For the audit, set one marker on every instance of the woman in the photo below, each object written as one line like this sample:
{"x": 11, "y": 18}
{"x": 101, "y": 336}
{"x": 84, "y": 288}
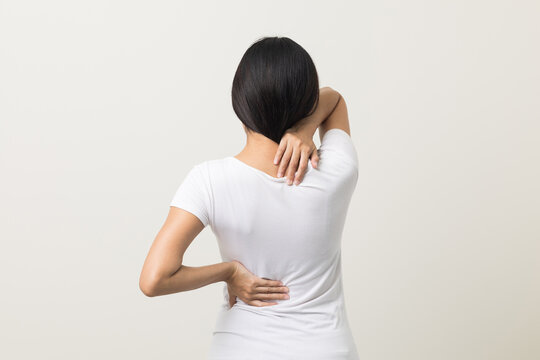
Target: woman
{"x": 280, "y": 244}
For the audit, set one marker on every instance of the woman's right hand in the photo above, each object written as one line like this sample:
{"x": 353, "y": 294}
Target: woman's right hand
{"x": 252, "y": 289}
{"x": 296, "y": 148}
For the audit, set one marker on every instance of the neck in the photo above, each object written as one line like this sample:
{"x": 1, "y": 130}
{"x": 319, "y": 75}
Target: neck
{"x": 259, "y": 152}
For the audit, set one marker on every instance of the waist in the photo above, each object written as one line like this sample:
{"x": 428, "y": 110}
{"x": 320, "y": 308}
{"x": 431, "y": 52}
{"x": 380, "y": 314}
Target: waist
{"x": 295, "y": 320}
{"x": 241, "y": 332}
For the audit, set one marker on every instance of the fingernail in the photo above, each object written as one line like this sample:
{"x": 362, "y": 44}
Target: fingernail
{"x": 278, "y": 174}
{"x": 296, "y": 182}
{"x": 275, "y": 161}
{"x": 289, "y": 182}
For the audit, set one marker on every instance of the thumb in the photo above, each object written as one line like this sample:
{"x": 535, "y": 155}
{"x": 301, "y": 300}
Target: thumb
{"x": 232, "y": 300}
{"x": 315, "y": 158}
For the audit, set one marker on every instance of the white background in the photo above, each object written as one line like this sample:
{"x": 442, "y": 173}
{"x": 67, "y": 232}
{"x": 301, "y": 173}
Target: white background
{"x": 105, "y": 106}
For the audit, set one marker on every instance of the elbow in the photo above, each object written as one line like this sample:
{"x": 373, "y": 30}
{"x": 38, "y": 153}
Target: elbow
{"x": 148, "y": 286}
{"x": 147, "y": 290}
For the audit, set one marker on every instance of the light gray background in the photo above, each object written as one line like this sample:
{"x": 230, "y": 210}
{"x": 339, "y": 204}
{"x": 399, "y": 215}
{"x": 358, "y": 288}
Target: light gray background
{"x": 105, "y": 106}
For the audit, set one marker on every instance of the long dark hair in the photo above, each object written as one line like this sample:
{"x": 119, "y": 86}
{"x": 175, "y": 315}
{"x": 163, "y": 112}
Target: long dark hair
{"x": 275, "y": 85}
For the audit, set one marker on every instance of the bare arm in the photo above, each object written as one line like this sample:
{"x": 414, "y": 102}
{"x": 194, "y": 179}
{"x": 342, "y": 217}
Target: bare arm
{"x": 191, "y": 277}
{"x": 296, "y": 147}
{"x": 328, "y": 100}
{"x": 163, "y": 272}
{"x": 337, "y": 119}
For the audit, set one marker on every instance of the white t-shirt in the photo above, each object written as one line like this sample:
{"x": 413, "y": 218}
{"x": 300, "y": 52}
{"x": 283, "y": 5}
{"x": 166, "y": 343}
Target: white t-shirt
{"x": 281, "y": 232}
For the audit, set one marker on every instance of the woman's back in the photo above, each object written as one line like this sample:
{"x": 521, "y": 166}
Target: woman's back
{"x": 286, "y": 233}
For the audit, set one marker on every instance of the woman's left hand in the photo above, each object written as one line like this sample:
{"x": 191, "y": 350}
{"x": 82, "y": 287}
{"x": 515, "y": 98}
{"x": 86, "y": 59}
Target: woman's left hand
{"x": 295, "y": 150}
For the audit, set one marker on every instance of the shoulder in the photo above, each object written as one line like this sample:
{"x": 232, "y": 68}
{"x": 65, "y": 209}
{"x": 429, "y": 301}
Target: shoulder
{"x": 211, "y": 171}
{"x": 338, "y": 144}
{"x": 211, "y": 165}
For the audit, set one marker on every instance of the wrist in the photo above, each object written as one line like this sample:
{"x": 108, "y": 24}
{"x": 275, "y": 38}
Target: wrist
{"x": 328, "y": 99}
{"x": 231, "y": 269}
{"x": 307, "y": 126}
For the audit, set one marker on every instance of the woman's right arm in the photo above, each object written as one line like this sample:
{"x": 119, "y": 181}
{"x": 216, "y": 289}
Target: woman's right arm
{"x": 337, "y": 119}
{"x": 328, "y": 100}
{"x": 296, "y": 147}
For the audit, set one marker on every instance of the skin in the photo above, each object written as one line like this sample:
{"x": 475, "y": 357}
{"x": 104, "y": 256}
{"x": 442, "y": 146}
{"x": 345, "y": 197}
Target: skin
{"x": 283, "y": 159}
{"x": 163, "y": 270}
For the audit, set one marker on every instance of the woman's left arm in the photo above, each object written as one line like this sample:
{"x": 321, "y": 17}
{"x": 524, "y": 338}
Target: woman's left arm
{"x": 163, "y": 272}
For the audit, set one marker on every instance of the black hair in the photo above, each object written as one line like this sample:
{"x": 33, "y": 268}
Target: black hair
{"x": 275, "y": 85}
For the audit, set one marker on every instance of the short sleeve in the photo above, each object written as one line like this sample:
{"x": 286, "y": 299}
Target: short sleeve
{"x": 338, "y": 142}
{"x": 193, "y": 195}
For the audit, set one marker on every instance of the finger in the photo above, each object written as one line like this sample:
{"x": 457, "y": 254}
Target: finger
{"x": 299, "y": 176}
{"x": 293, "y": 164}
{"x": 315, "y": 158}
{"x": 284, "y": 161}
{"x": 260, "y": 303}
{"x": 272, "y": 289}
{"x": 270, "y": 296}
{"x": 232, "y": 301}
{"x": 268, "y": 282}
{"x": 280, "y": 150}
